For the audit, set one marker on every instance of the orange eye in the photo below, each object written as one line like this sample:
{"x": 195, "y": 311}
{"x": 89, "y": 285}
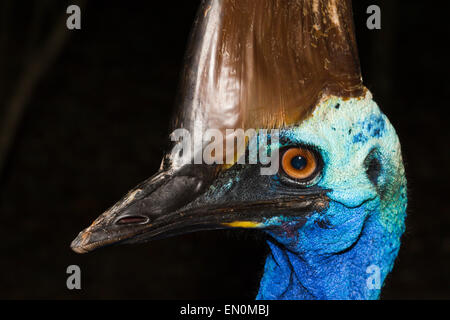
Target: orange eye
{"x": 299, "y": 163}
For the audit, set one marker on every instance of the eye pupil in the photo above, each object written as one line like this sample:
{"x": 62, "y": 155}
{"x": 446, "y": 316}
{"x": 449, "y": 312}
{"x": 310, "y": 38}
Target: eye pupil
{"x": 299, "y": 163}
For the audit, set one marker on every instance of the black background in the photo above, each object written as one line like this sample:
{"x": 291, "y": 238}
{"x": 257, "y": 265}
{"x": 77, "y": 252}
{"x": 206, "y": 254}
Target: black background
{"x": 97, "y": 125}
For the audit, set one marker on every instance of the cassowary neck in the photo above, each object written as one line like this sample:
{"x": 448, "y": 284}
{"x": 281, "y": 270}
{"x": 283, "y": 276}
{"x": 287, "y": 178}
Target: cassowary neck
{"x": 358, "y": 272}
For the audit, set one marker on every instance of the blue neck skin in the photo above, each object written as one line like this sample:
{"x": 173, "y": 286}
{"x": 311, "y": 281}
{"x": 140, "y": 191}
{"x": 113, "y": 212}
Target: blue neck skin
{"x": 353, "y": 267}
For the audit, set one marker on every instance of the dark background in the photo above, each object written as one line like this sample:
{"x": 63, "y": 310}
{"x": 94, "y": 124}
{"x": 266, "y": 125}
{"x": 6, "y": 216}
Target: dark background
{"x": 96, "y": 123}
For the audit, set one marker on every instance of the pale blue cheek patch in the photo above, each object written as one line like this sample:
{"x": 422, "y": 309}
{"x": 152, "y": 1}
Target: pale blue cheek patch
{"x": 345, "y": 135}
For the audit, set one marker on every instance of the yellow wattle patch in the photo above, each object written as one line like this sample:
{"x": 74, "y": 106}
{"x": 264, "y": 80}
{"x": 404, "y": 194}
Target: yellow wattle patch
{"x": 243, "y": 224}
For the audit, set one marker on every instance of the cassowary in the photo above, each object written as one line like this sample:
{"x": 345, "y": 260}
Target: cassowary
{"x": 334, "y": 210}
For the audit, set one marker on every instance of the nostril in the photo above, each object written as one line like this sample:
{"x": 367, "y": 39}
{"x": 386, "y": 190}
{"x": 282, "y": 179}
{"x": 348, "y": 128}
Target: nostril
{"x": 132, "y": 220}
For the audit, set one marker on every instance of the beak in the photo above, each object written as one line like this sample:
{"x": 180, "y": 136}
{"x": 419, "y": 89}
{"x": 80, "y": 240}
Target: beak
{"x": 190, "y": 200}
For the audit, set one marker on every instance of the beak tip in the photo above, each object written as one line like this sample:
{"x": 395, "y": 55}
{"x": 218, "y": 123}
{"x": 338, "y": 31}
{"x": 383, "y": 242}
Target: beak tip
{"x": 79, "y": 250}
{"x": 79, "y": 245}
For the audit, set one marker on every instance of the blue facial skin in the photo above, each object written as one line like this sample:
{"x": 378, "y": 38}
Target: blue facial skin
{"x": 347, "y": 251}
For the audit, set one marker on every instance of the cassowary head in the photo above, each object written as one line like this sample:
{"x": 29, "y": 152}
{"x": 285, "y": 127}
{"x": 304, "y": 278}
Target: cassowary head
{"x": 334, "y": 206}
